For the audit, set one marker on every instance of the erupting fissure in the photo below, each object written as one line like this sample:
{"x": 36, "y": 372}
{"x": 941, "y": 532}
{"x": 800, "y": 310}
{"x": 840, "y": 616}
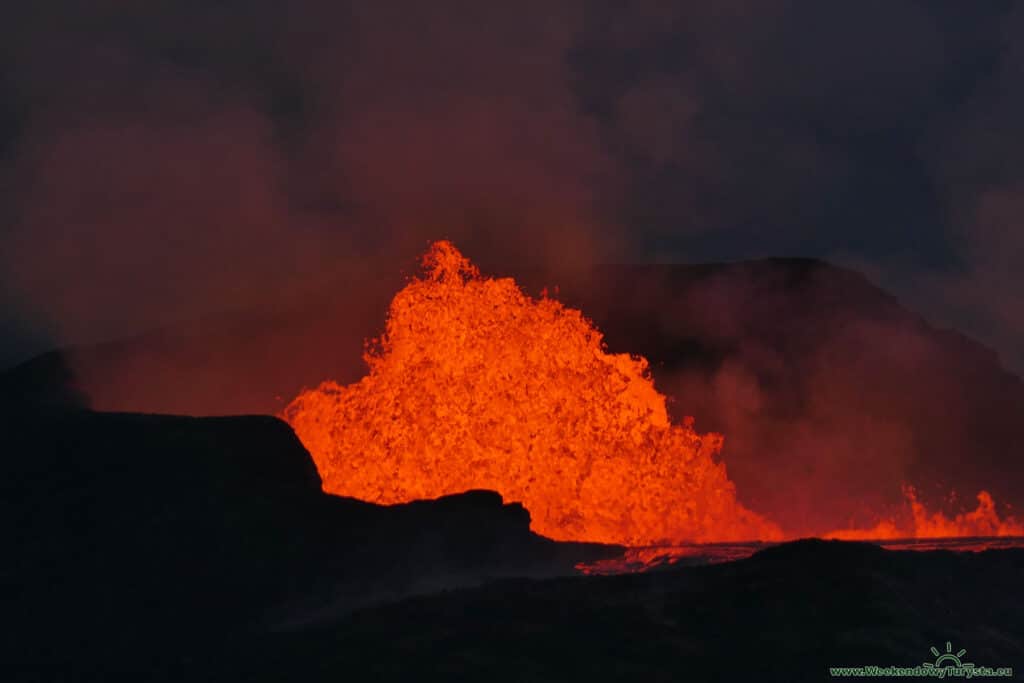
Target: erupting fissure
{"x": 475, "y": 384}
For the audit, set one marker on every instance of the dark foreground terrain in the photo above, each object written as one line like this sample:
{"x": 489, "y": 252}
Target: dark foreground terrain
{"x": 163, "y": 548}
{"x": 788, "y": 613}
{"x": 134, "y": 544}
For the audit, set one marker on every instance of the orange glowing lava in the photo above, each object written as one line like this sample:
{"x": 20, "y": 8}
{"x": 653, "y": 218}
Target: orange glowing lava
{"x": 983, "y": 521}
{"x": 475, "y": 384}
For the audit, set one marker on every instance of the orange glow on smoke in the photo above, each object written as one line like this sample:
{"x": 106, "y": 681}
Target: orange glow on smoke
{"x": 475, "y": 384}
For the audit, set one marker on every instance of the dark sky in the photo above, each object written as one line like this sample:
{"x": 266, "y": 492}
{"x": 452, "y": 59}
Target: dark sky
{"x": 163, "y": 159}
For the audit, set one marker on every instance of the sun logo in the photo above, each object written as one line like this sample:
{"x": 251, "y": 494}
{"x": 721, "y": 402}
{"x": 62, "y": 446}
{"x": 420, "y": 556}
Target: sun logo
{"x": 948, "y": 659}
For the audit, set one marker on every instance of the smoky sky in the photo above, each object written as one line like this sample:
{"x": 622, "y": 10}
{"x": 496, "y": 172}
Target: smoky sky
{"x": 163, "y": 160}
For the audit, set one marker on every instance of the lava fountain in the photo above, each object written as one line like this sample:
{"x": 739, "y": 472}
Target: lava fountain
{"x": 474, "y": 384}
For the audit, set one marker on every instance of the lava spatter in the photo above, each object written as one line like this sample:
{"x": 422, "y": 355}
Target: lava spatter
{"x": 475, "y": 384}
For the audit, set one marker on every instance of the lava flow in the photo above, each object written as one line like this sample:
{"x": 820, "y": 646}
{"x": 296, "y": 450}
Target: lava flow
{"x": 475, "y": 384}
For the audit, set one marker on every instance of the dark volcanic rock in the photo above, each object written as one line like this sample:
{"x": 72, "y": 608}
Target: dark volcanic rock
{"x": 159, "y": 548}
{"x": 788, "y": 613}
{"x": 133, "y": 542}
{"x": 47, "y": 382}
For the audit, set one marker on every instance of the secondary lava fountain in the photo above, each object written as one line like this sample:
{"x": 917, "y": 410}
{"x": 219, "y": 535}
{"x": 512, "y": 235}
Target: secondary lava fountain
{"x": 475, "y": 384}
{"x": 982, "y": 522}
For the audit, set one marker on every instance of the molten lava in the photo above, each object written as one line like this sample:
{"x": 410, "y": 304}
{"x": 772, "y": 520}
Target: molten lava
{"x": 982, "y": 522}
{"x": 475, "y": 384}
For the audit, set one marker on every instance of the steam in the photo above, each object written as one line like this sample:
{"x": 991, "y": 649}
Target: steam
{"x": 198, "y": 160}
